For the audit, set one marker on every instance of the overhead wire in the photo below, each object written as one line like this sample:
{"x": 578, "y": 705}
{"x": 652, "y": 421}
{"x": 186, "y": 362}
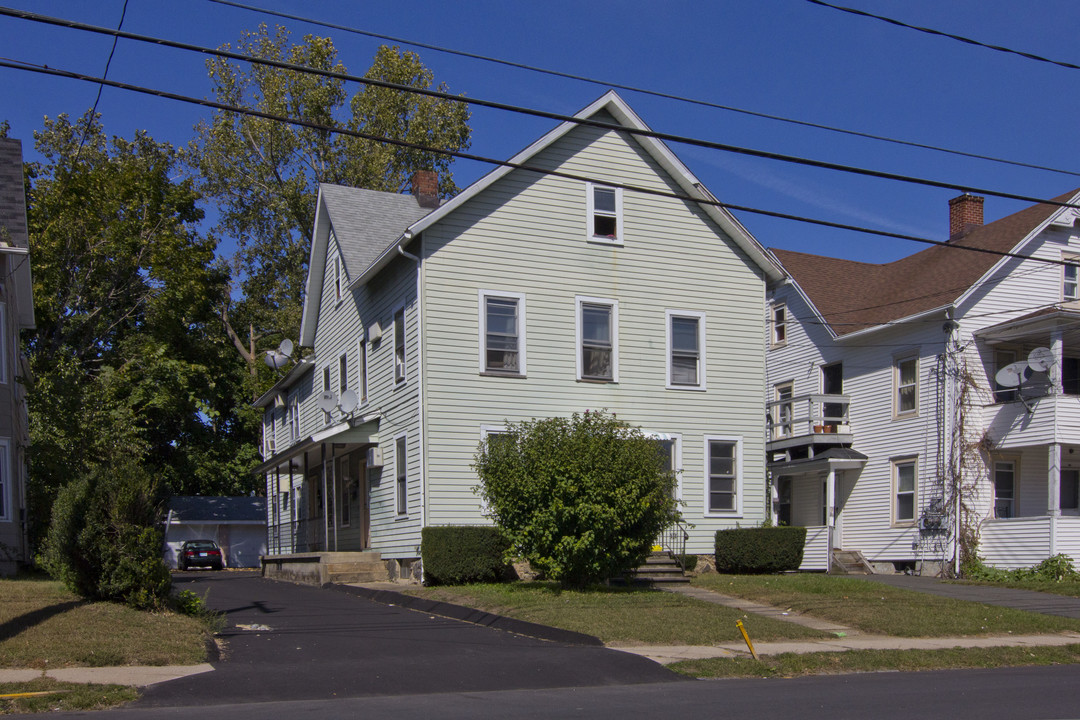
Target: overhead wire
{"x": 940, "y": 33}
{"x": 643, "y": 91}
{"x": 560, "y": 117}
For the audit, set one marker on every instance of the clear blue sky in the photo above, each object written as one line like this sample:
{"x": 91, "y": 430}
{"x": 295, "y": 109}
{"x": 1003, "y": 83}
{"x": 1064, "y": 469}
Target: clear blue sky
{"x": 784, "y": 57}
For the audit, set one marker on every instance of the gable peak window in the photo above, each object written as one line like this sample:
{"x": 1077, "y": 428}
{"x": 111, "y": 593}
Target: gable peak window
{"x": 605, "y": 213}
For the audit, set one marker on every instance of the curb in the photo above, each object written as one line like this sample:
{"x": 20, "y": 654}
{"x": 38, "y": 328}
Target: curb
{"x": 471, "y": 615}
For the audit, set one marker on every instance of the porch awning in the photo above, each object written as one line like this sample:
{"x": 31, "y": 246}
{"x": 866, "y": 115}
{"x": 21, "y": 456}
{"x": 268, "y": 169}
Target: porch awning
{"x": 357, "y": 431}
{"x": 831, "y": 459}
{"x": 1042, "y": 321}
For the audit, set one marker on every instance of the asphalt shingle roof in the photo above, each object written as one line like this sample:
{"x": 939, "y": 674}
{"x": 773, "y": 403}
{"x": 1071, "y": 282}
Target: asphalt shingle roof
{"x": 366, "y": 222}
{"x": 853, "y": 296}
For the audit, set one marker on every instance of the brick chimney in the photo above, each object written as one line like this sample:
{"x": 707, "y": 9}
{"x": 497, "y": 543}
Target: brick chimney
{"x": 425, "y": 186}
{"x": 965, "y": 214}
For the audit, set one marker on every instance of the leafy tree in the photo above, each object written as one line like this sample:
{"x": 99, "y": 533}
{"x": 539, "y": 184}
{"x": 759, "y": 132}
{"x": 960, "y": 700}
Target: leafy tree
{"x": 581, "y": 498}
{"x": 125, "y": 293}
{"x": 264, "y": 175}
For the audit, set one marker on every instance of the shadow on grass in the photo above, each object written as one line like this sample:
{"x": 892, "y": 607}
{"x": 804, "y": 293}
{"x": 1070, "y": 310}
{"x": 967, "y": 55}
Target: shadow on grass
{"x": 16, "y": 625}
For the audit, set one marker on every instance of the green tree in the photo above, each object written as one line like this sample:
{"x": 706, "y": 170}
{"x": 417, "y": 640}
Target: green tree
{"x": 264, "y": 175}
{"x": 125, "y": 291}
{"x": 581, "y": 498}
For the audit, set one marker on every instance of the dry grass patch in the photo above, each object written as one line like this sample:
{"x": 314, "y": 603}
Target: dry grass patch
{"x": 822, "y": 663}
{"x": 617, "y": 615}
{"x": 883, "y": 610}
{"x": 43, "y": 625}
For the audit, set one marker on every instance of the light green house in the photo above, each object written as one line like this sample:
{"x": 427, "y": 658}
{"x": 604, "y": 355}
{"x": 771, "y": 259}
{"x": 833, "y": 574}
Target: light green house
{"x": 593, "y": 280}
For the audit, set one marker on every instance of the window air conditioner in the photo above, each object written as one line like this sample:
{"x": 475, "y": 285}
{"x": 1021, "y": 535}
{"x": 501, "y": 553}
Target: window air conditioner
{"x": 374, "y": 457}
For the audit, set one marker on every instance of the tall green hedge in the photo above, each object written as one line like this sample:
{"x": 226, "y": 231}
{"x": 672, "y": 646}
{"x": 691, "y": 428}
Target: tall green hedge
{"x": 759, "y": 550}
{"x": 453, "y": 555}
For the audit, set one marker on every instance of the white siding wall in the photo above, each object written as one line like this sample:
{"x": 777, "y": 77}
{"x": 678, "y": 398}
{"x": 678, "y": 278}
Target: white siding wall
{"x": 527, "y": 235}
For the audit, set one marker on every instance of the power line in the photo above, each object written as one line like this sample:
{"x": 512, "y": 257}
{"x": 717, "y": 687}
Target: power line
{"x": 951, "y": 36}
{"x": 645, "y": 91}
{"x": 666, "y": 137}
{"x": 97, "y": 98}
{"x": 213, "y": 104}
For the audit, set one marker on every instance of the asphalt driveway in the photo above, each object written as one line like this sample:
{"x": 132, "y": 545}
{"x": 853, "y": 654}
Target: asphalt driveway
{"x": 294, "y": 642}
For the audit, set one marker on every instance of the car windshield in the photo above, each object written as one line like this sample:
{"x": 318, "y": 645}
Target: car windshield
{"x": 200, "y": 545}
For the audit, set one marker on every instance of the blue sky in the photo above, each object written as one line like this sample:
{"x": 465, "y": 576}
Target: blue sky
{"x": 783, "y": 57}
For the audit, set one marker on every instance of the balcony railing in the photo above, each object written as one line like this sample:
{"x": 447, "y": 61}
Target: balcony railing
{"x": 808, "y": 415}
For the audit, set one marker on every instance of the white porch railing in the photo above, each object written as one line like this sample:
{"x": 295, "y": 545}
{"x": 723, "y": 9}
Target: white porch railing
{"x": 816, "y": 551}
{"x": 808, "y": 414}
{"x": 1022, "y": 542}
{"x": 1051, "y": 418}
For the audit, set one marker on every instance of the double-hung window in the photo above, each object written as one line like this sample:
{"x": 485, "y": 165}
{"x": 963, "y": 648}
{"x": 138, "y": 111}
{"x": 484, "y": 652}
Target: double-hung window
{"x": 1070, "y": 286}
{"x": 326, "y": 389}
{"x": 294, "y": 417}
{"x": 779, "y": 324}
{"x": 337, "y": 279}
{"x": 502, "y": 333}
{"x": 1004, "y": 488}
{"x": 723, "y": 471}
{"x": 605, "y": 214}
{"x": 905, "y": 490}
{"x": 343, "y": 374}
{"x": 906, "y": 383}
{"x": 362, "y": 358}
{"x": 598, "y": 339}
{"x": 399, "y": 346}
{"x": 686, "y": 350}
{"x": 401, "y": 484}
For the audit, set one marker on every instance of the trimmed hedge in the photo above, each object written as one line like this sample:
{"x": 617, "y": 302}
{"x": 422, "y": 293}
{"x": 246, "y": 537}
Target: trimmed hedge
{"x": 759, "y": 550}
{"x": 454, "y": 555}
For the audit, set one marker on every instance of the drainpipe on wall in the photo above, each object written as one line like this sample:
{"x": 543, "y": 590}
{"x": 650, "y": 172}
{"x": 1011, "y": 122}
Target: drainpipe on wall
{"x": 421, "y": 373}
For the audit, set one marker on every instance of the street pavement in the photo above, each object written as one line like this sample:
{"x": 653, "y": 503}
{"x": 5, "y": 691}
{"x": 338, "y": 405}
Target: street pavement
{"x": 295, "y": 642}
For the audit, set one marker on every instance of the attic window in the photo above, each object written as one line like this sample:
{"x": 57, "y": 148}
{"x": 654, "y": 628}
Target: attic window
{"x": 605, "y": 214}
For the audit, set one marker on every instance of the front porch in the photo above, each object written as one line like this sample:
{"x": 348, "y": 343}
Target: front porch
{"x": 1023, "y": 542}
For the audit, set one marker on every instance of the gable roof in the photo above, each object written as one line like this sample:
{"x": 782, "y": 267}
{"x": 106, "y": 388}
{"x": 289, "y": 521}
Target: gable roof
{"x": 611, "y": 103}
{"x": 853, "y": 296}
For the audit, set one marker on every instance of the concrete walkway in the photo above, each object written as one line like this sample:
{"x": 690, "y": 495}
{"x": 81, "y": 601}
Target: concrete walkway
{"x": 133, "y": 675}
{"x": 761, "y": 609}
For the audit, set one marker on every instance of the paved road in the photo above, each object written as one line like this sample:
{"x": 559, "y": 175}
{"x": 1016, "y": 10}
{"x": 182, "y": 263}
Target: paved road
{"x": 324, "y": 644}
{"x": 1000, "y": 694}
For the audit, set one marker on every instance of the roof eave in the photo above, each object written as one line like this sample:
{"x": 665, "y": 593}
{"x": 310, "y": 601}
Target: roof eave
{"x": 320, "y": 238}
{"x": 942, "y": 309}
{"x": 301, "y": 367}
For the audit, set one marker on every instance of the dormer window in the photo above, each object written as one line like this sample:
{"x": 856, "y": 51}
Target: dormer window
{"x": 605, "y": 214}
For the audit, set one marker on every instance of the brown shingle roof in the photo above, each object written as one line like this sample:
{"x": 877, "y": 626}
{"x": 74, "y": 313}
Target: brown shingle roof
{"x": 854, "y": 296}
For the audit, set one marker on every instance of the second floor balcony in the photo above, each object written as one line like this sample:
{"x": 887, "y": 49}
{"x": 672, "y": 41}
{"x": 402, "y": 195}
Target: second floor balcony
{"x": 808, "y": 420}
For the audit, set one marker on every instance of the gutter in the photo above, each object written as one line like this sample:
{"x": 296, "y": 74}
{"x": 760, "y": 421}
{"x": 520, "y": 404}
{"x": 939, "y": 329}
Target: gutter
{"x": 420, "y": 375}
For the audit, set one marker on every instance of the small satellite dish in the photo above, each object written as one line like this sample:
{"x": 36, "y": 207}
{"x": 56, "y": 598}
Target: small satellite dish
{"x": 1013, "y": 374}
{"x": 1040, "y": 359}
{"x": 286, "y": 347}
{"x": 348, "y": 401}
{"x": 327, "y": 400}
{"x": 275, "y": 359}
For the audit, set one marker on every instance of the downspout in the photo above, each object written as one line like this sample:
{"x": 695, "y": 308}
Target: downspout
{"x": 421, "y": 370}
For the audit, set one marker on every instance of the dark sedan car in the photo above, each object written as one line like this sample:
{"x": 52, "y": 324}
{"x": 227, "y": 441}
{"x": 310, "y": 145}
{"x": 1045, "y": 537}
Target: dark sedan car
{"x": 200, "y": 553}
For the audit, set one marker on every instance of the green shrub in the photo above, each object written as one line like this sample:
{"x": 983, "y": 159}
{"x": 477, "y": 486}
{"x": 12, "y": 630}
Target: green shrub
{"x": 454, "y": 555}
{"x": 1052, "y": 569}
{"x": 581, "y": 498}
{"x": 760, "y": 549}
{"x": 105, "y": 539}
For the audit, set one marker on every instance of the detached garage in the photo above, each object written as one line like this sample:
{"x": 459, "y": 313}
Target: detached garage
{"x": 236, "y": 524}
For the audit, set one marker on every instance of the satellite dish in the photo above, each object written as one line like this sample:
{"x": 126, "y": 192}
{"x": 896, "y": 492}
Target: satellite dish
{"x": 327, "y": 400}
{"x": 348, "y": 401}
{"x": 1040, "y": 359}
{"x": 275, "y": 359}
{"x": 286, "y": 347}
{"x": 1013, "y": 374}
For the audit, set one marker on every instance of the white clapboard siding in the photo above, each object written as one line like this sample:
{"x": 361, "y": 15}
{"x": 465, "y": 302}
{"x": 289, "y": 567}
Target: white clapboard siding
{"x": 816, "y": 551}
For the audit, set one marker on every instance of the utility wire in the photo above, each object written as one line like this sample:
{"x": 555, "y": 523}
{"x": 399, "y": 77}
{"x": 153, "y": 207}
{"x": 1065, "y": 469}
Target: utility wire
{"x": 666, "y": 137}
{"x": 97, "y": 98}
{"x": 644, "y": 91}
{"x": 706, "y": 199}
{"x": 939, "y": 33}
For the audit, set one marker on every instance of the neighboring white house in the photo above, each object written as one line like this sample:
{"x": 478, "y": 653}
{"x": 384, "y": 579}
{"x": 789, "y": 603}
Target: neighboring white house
{"x": 893, "y": 422}
{"x": 16, "y": 314}
{"x": 527, "y": 295}
{"x": 236, "y": 524}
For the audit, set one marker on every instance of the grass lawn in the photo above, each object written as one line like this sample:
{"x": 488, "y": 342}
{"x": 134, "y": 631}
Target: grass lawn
{"x": 43, "y": 625}
{"x": 791, "y": 665}
{"x": 61, "y": 697}
{"x": 617, "y": 615}
{"x": 881, "y": 609}
{"x": 1062, "y": 587}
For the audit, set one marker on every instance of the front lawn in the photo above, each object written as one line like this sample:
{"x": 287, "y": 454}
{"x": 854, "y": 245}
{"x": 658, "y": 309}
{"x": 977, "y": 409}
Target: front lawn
{"x": 617, "y": 615}
{"x": 42, "y": 625}
{"x": 880, "y": 609}
{"x": 47, "y": 695}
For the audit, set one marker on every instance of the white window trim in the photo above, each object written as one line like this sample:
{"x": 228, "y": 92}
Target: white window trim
{"x": 1014, "y": 460}
{"x": 738, "y": 511}
{"x": 1074, "y": 262}
{"x": 580, "y": 300}
{"x": 399, "y": 381}
{"x": 773, "y": 325}
{"x": 399, "y": 463}
{"x": 362, "y": 371}
{"x": 343, "y": 377}
{"x": 895, "y": 463}
{"x": 338, "y": 295}
{"x": 784, "y": 427}
{"x": 6, "y": 480}
{"x": 897, "y": 359}
{"x": 482, "y": 296}
{"x": 294, "y": 417}
{"x": 4, "y": 343}
{"x": 601, "y": 240}
{"x": 701, "y": 385}
{"x": 677, "y": 461}
{"x": 327, "y": 386}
